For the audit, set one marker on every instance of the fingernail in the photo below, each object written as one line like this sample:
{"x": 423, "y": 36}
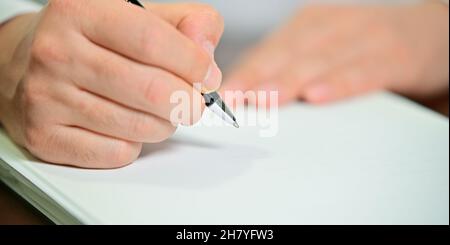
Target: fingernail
{"x": 319, "y": 93}
{"x": 210, "y": 48}
{"x": 213, "y": 79}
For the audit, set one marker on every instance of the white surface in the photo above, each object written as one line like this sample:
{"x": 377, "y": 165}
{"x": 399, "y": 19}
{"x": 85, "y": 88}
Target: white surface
{"x": 373, "y": 160}
{"x": 10, "y": 8}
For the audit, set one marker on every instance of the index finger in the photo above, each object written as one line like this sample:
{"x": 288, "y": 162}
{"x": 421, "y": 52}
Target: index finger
{"x": 142, "y": 36}
{"x": 200, "y": 22}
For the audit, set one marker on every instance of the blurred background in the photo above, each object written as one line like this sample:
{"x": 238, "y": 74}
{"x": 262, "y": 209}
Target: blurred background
{"x": 248, "y": 21}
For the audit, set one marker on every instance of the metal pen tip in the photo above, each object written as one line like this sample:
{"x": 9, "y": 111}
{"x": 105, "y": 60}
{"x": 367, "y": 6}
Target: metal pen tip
{"x": 236, "y": 125}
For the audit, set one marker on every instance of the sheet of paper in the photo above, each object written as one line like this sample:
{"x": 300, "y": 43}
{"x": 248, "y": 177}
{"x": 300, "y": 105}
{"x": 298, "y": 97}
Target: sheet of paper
{"x": 373, "y": 160}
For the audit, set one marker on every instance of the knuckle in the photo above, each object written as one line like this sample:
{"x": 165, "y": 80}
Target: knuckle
{"x": 156, "y": 90}
{"x": 87, "y": 108}
{"x": 46, "y": 49}
{"x": 121, "y": 70}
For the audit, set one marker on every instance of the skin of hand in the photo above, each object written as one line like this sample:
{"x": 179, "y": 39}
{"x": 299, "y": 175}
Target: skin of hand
{"x": 85, "y": 83}
{"x": 330, "y": 52}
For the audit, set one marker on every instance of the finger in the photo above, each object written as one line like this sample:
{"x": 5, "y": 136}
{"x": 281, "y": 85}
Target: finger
{"x": 294, "y": 77}
{"x": 134, "y": 85}
{"x": 346, "y": 82}
{"x": 310, "y": 67}
{"x": 81, "y": 148}
{"x": 142, "y": 36}
{"x": 108, "y": 118}
{"x": 200, "y": 23}
{"x": 286, "y": 92}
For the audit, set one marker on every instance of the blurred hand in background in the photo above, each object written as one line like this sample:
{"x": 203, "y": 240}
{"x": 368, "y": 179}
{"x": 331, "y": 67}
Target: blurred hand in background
{"x": 329, "y": 52}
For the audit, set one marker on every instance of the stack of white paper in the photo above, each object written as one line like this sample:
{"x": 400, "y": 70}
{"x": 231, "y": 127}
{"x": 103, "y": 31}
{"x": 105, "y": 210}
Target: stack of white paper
{"x": 374, "y": 160}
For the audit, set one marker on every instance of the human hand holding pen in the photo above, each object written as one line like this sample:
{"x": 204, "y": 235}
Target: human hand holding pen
{"x": 87, "y": 82}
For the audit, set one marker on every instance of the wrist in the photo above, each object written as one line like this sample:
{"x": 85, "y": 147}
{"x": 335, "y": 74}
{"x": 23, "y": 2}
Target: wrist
{"x": 12, "y": 65}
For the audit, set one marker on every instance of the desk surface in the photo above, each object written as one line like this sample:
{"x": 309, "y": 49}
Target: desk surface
{"x": 16, "y": 211}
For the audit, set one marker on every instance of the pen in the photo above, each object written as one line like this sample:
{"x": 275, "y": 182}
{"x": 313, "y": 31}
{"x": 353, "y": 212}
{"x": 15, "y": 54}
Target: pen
{"x": 212, "y": 100}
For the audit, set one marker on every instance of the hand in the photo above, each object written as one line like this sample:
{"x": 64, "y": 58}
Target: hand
{"x": 327, "y": 53}
{"x": 88, "y": 82}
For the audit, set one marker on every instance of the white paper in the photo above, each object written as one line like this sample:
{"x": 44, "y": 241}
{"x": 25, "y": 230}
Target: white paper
{"x": 373, "y": 160}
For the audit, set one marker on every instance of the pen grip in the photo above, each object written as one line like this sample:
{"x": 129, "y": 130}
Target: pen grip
{"x": 211, "y": 98}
